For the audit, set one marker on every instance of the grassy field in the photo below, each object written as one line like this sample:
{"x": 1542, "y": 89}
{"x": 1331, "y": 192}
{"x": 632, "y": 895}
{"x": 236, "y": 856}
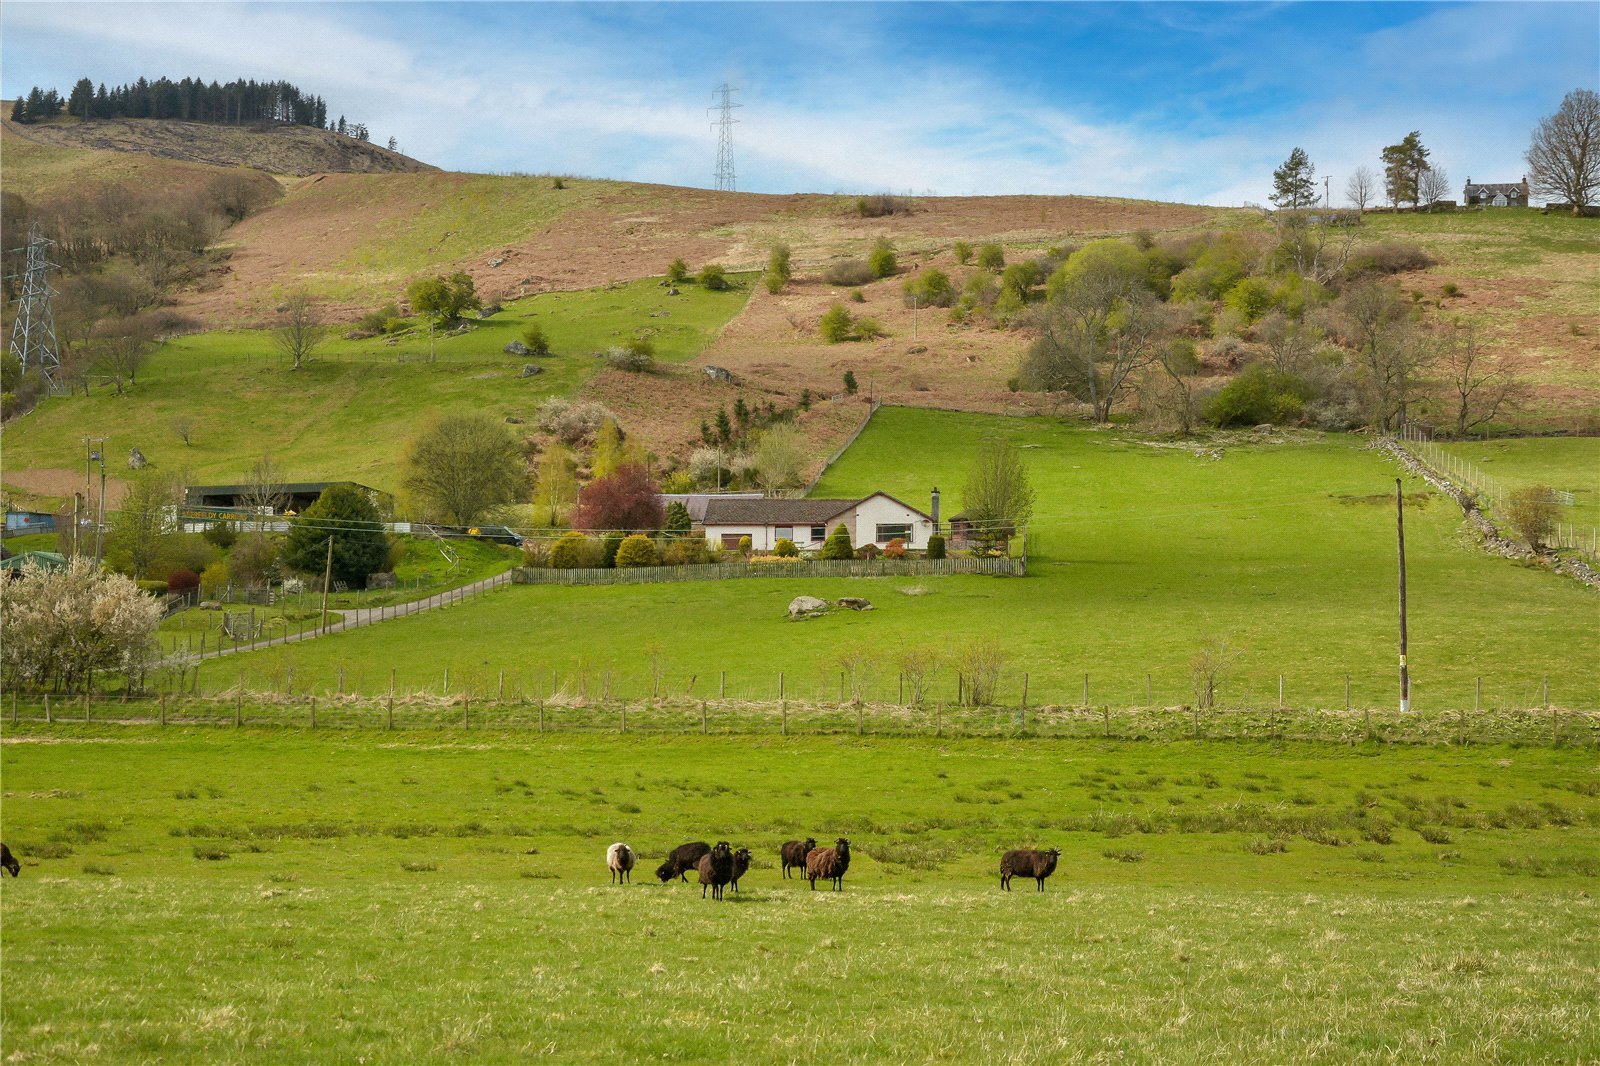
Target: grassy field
{"x": 1141, "y": 553}
{"x": 197, "y": 895}
{"x": 1568, "y": 463}
{"x": 349, "y": 412}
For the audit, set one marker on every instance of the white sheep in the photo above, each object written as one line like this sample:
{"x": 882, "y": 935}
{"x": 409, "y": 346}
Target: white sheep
{"x": 619, "y": 859}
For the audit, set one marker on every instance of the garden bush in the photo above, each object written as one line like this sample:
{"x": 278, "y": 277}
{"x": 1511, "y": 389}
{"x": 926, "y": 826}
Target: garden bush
{"x": 689, "y": 551}
{"x": 221, "y": 534}
{"x": 574, "y": 551}
{"x": 895, "y": 549}
{"x": 609, "y": 547}
{"x": 155, "y": 588}
{"x": 785, "y": 548}
{"x": 838, "y": 545}
{"x": 745, "y": 544}
{"x": 868, "y": 551}
{"x": 214, "y": 580}
{"x": 183, "y": 580}
{"x": 936, "y": 547}
{"x": 636, "y": 550}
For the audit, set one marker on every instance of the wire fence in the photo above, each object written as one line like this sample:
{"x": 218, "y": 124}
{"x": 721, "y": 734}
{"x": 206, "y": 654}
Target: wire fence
{"x": 240, "y": 709}
{"x": 999, "y": 566}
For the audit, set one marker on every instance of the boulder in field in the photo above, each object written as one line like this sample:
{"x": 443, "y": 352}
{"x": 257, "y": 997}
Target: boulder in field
{"x": 806, "y": 607}
{"x": 853, "y": 603}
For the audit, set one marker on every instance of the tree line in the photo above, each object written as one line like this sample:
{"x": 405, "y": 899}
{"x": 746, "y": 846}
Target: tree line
{"x": 239, "y": 102}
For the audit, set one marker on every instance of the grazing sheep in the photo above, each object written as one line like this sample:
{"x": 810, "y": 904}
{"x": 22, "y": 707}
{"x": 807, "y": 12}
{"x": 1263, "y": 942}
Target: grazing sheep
{"x": 741, "y": 863}
{"x": 9, "y": 862}
{"x": 829, "y": 864}
{"x": 716, "y": 869}
{"x": 794, "y": 854}
{"x": 683, "y": 859}
{"x": 619, "y": 858}
{"x": 1028, "y": 863}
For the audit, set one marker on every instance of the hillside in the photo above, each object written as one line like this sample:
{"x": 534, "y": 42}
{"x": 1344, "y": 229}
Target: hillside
{"x": 295, "y": 151}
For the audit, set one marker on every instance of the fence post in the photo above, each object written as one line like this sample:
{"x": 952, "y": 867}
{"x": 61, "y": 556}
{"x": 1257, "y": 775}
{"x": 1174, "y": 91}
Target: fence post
{"x": 446, "y": 682}
{"x": 938, "y": 719}
{"x": 783, "y": 707}
{"x": 1149, "y": 700}
{"x": 1086, "y": 689}
{"x": 541, "y": 716}
{"x": 1280, "y": 692}
{"x": 466, "y": 708}
{"x": 1105, "y": 715}
{"x": 858, "y": 719}
{"x": 341, "y": 679}
{"x": 780, "y": 686}
{"x": 1347, "y": 693}
{"x": 313, "y": 712}
{"x": 555, "y": 682}
{"x": 238, "y": 703}
{"x": 288, "y": 685}
{"x": 1024, "y": 691}
{"x": 163, "y": 708}
{"x": 624, "y": 713}
{"x": 1366, "y": 717}
{"x": 722, "y": 685}
{"x": 500, "y": 697}
{"x": 702, "y": 717}
{"x": 1477, "y": 692}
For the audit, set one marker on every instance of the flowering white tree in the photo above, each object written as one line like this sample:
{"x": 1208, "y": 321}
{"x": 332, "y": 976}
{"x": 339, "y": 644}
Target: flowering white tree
{"x": 60, "y": 627}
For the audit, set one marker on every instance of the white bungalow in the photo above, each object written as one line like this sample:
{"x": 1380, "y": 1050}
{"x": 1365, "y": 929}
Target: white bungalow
{"x": 875, "y": 519}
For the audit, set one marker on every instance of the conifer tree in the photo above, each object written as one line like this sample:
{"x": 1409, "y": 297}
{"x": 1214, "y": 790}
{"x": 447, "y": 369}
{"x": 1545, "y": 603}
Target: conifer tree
{"x": 1294, "y": 183}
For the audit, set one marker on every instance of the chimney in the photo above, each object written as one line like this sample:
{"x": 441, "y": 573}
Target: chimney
{"x": 936, "y": 510}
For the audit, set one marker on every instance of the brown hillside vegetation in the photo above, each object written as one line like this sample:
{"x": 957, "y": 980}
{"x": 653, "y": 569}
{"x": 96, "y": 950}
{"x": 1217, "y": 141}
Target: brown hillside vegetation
{"x": 42, "y": 172}
{"x": 360, "y": 238}
{"x": 290, "y": 150}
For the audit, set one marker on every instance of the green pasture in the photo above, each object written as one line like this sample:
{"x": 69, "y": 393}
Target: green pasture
{"x": 1141, "y": 551}
{"x": 1568, "y": 463}
{"x": 219, "y": 896}
{"x": 349, "y": 412}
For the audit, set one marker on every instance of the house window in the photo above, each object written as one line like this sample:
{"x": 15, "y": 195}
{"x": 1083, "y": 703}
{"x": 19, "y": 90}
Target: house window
{"x": 819, "y": 532}
{"x": 892, "y": 531}
{"x": 731, "y": 540}
{"x": 783, "y": 533}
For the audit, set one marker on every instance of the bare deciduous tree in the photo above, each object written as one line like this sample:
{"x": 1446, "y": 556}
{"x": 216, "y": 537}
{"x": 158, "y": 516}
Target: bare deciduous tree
{"x": 183, "y": 426}
{"x": 1172, "y": 388}
{"x": 123, "y": 348}
{"x": 299, "y": 331}
{"x": 1564, "y": 157}
{"x": 918, "y": 664}
{"x": 263, "y": 488}
{"x": 979, "y": 664}
{"x": 1433, "y": 185}
{"x": 1362, "y": 188}
{"x": 1532, "y": 512}
{"x": 1210, "y": 667}
{"x": 1480, "y": 387}
{"x": 779, "y": 459}
{"x": 1389, "y": 351}
{"x": 1290, "y": 342}
{"x": 1095, "y": 336}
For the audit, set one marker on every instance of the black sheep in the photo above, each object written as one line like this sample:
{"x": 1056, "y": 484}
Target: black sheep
{"x": 794, "y": 854}
{"x": 829, "y": 864}
{"x": 683, "y": 859}
{"x": 1028, "y": 863}
{"x": 9, "y": 862}
{"x": 716, "y": 869}
{"x": 741, "y": 863}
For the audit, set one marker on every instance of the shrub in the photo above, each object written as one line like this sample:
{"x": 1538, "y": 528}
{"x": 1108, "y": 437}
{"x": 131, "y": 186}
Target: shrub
{"x": 626, "y": 498}
{"x": 1258, "y": 395}
{"x": 638, "y": 356}
{"x": 848, "y": 272}
{"x": 857, "y": 296}
{"x": 867, "y": 329}
{"x": 572, "y": 422}
{"x": 688, "y": 551}
{"x": 609, "y": 547}
{"x": 156, "y": 588}
{"x": 882, "y": 204}
{"x": 1250, "y": 298}
{"x": 534, "y": 340}
{"x": 713, "y": 277}
{"x": 214, "y": 580}
{"x": 745, "y": 544}
{"x": 636, "y": 550}
{"x": 574, "y": 551}
{"x": 836, "y": 325}
{"x": 936, "y": 547}
{"x": 678, "y": 522}
{"x": 882, "y": 260}
{"x": 378, "y": 321}
{"x": 850, "y": 382}
{"x": 772, "y": 282}
{"x": 931, "y": 288}
{"x": 838, "y": 545}
{"x": 991, "y": 257}
{"x": 895, "y": 549}
{"x": 221, "y": 534}
{"x": 1450, "y": 288}
{"x": 785, "y": 548}
{"x": 182, "y": 581}
{"x": 1532, "y": 513}
{"x": 1390, "y": 257}
{"x": 868, "y": 551}
{"x": 677, "y": 272}
{"x": 963, "y": 252}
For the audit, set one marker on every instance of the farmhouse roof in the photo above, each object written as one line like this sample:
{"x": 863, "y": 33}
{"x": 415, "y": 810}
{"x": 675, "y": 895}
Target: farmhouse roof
{"x": 721, "y": 511}
{"x": 1502, "y": 188}
{"x": 695, "y": 502}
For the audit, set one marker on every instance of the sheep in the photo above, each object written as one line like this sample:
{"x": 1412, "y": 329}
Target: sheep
{"x": 683, "y": 859}
{"x": 1035, "y": 864}
{"x": 829, "y": 864}
{"x": 741, "y": 863}
{"x": 619, "y": 858}
{"x": 9, "y": 862}
{"x": 794, "y": 854}
{"x": 716, "y": 869}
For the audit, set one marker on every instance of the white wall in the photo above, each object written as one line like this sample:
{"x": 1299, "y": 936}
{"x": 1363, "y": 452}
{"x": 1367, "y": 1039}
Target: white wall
{"x": 880, "y": 510}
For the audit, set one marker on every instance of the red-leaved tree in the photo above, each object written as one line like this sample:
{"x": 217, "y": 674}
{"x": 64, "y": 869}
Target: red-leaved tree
{"x": 626, "y": 499}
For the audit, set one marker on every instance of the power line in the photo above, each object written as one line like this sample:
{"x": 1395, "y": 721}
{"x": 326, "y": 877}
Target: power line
{"x": 724, "y": 126}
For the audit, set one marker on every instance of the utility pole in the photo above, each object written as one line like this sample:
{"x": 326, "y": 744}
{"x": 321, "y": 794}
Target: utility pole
{"x": 90, "y": 456}
{"x": 1400, "y": 531}
{"x": 327, "y": 581}
{"x": 725, "y": 180}
{"x": 1327, "y": 191}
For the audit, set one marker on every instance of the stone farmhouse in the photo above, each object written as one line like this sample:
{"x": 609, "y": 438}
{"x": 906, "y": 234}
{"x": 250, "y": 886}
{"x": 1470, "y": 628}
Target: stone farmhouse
{"x": 1503, "y": 194}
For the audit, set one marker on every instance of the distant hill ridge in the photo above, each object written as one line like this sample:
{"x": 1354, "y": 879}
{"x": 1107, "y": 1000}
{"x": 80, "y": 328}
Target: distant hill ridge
{"x": 290, "y": 150}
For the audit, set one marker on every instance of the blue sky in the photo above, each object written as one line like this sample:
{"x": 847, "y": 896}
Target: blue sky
{"x": 1189, "y": 102}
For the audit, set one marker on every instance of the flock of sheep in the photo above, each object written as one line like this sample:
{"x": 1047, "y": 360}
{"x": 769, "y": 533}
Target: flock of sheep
{"x": 720, "y": 865}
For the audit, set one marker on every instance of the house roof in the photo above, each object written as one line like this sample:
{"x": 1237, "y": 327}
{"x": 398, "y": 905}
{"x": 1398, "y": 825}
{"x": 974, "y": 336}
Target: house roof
{"x": 721, "y": 511}
{"x": 287, "y": 488}
{"x": 695, "y": 502}
{"x": 1503, "y": 188}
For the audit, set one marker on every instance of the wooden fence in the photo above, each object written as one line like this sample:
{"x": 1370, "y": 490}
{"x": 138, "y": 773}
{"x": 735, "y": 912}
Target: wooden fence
{"x": 810, "y": 568}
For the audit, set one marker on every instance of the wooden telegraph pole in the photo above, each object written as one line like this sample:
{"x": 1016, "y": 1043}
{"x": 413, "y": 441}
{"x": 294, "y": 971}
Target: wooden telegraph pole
{"x": 327, "y": 581}
{"x": 1400, "y": 531}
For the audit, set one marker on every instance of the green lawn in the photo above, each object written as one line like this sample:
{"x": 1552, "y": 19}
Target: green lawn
{"x": 349, "y": 413}
{"x": 1568, "y": 463}
{"x": 198, "y": 895}
{"x": 1141, "y": 553}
